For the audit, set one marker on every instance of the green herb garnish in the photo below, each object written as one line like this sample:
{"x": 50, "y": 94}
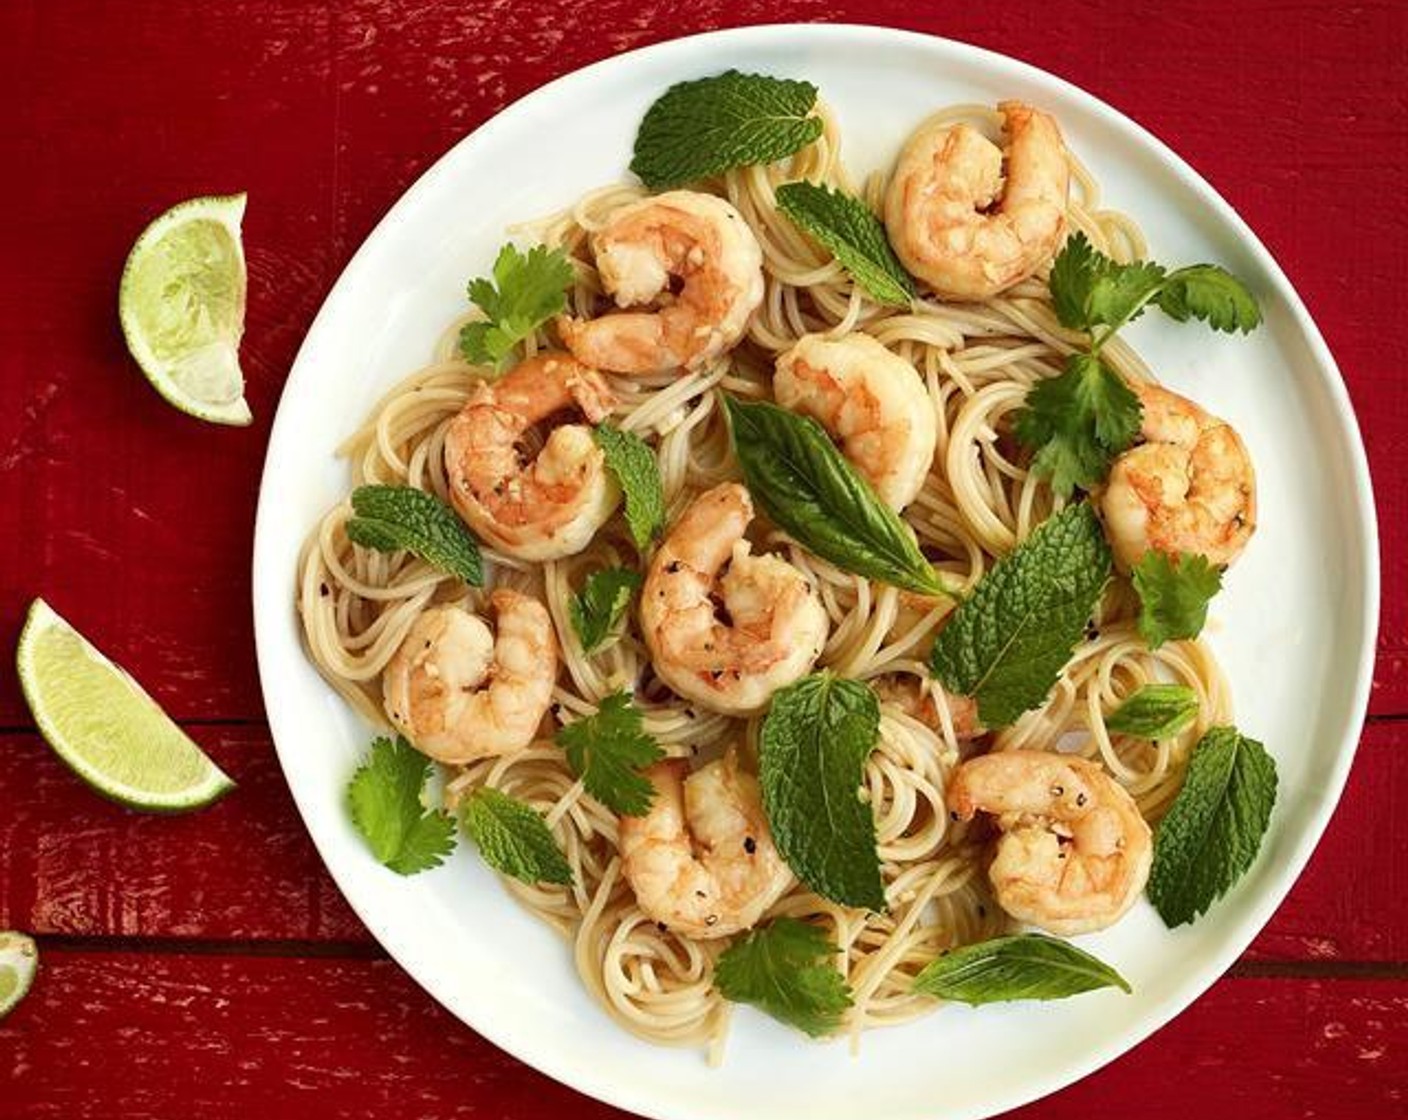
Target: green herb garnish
{"x": 630, "y": 459}
{"x": 853, "y": 235}
{"x": 1156, "y": 711}
{"x": 702, "y": 128}
{"x": 811, "y": 762}
{"x": 1215, "y": 826}
{"x": 1173, "y": 595}
{"x": 513, "y": 838}
{"x": 1008, "y": 641}
{"x": 393, "y": 518}
{"x": 384, "y": 801}
{"x": 526, "y": 291}
{"x": 1023, "y": 966}
{"x": 608, "y": 750}
{"x": 807, "y": 488}
{"x": 786, "y": 969}
{"x": 598, "y": 609}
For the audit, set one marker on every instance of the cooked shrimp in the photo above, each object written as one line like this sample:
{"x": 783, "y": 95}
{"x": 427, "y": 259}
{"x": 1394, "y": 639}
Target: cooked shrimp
{"x": 963, "y": 227}
{"x": 549, "y": 507}
{"x": 458, "y": 692}
{"x": 1074, "y": 852}
{"x": 871, "y": 401}
{"x": 694, "y": 255}
{"x": 1189, "y": 487}
{"x": 731, "y": 641}
{"x": 920, "y": 701}
{"x": 702, "y": 860}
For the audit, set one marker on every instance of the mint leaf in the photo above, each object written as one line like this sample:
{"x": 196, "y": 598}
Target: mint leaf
{"x": 384, "y": 801}
{"x": 392, "y": 518}
{"x": 1077, "y": 423}
{"x": 1008, "y": 641}
{"x": 636, "y": 469}
{"x": 1214, "y": 828}
{"x": 597, "y": 610}
{"x": 526, "y": 291}
{"x": 1173, "y": 595}
{"x": 786, "y": 969}
{"x": 1210, "y": 293}
{"x": 811, "y": 762}
{"x": 513, "y": 838}
{"x": 608, "y": 750}
{"x": 808, "y": 489}
{"x": 852, "y": 234}
{"x": 699, "y": 129}
{"x": 1156, "y": 711}
{"x": 1023, "y": 966}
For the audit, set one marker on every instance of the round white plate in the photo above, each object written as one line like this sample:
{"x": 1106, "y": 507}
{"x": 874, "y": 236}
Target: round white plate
{"x": 1294, "y": 626}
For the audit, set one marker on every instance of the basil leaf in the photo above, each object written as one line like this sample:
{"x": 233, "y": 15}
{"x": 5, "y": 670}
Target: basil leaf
{"x": 811, "y": 762}
{"x": 1008, "y": 641}
{"x": 393, "y": 518}
{"x": 1214, "y": 828}
{"x": 808, "y": 489}
{"x": 1023, "y": 966}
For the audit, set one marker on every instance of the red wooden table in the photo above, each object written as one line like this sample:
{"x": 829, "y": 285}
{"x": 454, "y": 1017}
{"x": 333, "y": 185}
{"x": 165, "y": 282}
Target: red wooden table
{"x": 206, "y": 965}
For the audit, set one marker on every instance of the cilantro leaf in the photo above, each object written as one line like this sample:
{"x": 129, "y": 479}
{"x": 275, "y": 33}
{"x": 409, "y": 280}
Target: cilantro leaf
{"x": 597, "y": 610}
{"x": 1077, "y": 423}
{"x": 526, "y": 291}
{"x": 513, "y": 838}
{"x": 391, "y": 518}
{"x": 1210, "y": 293}
{"x": 1088, "y": 289}
{"x": 1022, "y": 966}
{"x": 1156, "y": 711}
{"x": 811, "y": 762}
{"x": 785, "y": 969}
{"x": 809, "y": 490}
{"x": 1008, "y": 641}
{"x": 698, "y": 129}
{"x": 1215, "y": 826}
{"x": 1173, "y": 595}
{"x": 633, "y": 463}
{"x": 608, "y": 750}
{"x": 852, "y": 234}
{"x": 384, "y": 801}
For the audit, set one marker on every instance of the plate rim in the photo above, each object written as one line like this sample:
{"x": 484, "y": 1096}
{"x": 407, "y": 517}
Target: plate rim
{"x": 266, "y": 576}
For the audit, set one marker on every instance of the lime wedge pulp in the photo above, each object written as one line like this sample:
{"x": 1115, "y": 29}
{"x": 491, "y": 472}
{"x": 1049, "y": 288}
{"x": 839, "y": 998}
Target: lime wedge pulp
{"x": 181, "y": 303}
{"x": 101, "y": 722}
{"x": 19, "y": 960}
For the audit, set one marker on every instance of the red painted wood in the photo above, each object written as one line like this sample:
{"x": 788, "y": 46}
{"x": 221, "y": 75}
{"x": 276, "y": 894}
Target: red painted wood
{"x": 136, "y": 521}
{"x": 240, "y": 1036}
{"x": 76, "y": 865}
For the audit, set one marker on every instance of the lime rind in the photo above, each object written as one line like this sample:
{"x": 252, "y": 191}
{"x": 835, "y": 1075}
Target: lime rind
{"x": 19, "y": 961}
{"x": 185, "y": 335}
{"x": 105, "y": 726}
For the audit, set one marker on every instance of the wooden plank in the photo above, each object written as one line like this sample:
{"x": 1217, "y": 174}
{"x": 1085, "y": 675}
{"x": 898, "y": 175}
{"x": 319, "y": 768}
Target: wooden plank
{"x": 74, "y": 864}
{"x": 325, "y": 113}
{"x": 240, "y": 1036}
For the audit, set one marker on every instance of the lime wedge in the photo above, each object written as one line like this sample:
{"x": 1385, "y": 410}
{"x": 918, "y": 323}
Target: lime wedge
{"x": 19, "y": 961}
{"x": 105, "y": 727}
{"x": 182, "y": 307}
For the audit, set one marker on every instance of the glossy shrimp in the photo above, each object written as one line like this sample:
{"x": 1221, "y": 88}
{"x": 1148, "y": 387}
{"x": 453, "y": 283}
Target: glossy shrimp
{"x": 724, "y": 627}
{"x": 871, "y": 401}
{"x": 459, "y": 691}
{"x": 693, "y": 256}
{"x": 535, "y": 507}
{"x": 1074, "y": 851}
{"x": 1189, "y": 487}
{"x": 971, "y": 219}
{"x": 702, "y": 860}
{"x": 920, "y": 701}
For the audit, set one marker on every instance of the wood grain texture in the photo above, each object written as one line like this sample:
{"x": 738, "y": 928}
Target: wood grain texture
{"x": 235, "y": 1037}
{"x": 78, "y": 866}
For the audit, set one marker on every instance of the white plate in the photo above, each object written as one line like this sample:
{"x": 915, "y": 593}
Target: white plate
{"x": 1294, "y": 626}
